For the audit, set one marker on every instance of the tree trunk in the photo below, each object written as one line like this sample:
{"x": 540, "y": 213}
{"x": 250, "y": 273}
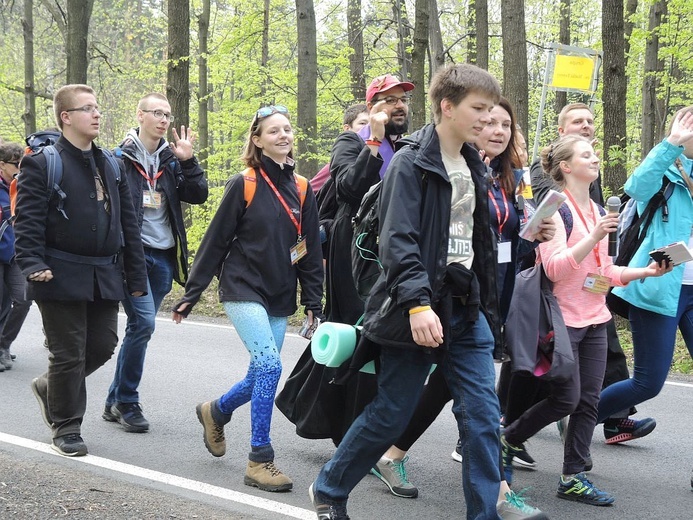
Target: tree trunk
{"x": 481, "y": 29}
{"x": 265, "y": 47}
{"x": 203, "y": 90}
{"x": 436, "y": 37}
{"x": 418, "y": 63}
{"x": 614, "y": 93}
{"x": 653, "y": 66}
{"x": 631, "y": 9}
{"x": 355, "y": 31}
{"x": 404, "y": 38}
{"x": 178, "y": 73}
{"x": 29, "y": 115}
{"x": 307, "y": 117}
{"x": 471, "y": 31}
{"x": 78, "y": 15}
{"x": 515, "y": 77}
{"x": 564, "y": 38}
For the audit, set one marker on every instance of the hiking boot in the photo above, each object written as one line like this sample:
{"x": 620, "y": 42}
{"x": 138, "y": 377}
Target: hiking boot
{"x": 213, "y": 434}
{"x": 514, "y": 507}
{"x": 130, "y": 416}
{"x": 508, "y": 453}
{"x": 327, "y": 511}
{"x": 108, "y": 414}
{"x": 394, "y": 475}
{"x": 579, "y": 489}
{"x": 266, "y": 476}
{"x": 39, "y": 386}
{"x": 457, "y": 452}
{"x": 5, "y": 358}
{"x": 70, "y": 445}
{"x": 523, "y": 459}
{"x": 622, "y": 430}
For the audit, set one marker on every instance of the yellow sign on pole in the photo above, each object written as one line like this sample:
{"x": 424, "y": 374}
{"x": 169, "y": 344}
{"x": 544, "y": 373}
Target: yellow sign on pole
{"x": 573, "y": 72}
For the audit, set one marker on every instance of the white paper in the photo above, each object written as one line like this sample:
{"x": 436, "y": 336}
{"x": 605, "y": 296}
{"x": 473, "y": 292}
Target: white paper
{"x": 547, "y": 208}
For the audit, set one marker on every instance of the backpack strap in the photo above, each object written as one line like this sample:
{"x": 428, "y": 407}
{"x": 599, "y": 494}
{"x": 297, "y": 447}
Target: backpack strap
{"x": 567, "y": 217}
{"x": 250, "y": 185}
{"x": 54, "y": 175}
{"x": 110, "y": 159}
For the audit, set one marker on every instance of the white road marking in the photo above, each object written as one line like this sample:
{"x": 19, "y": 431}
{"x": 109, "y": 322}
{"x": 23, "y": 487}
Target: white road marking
{"x": 170, "y": 480}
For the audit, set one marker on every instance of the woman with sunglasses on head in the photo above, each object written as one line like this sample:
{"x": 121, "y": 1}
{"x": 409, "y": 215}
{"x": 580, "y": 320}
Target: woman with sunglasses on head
{"x": 259, "y": 246}
{"x": 15, "y": 306}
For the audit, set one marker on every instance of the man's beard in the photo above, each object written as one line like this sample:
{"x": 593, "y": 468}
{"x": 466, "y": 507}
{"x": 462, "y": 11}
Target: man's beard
{"x": 392, "y": 128}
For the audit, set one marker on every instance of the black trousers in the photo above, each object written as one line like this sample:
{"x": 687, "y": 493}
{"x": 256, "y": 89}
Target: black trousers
{"x": 81, "y": 337}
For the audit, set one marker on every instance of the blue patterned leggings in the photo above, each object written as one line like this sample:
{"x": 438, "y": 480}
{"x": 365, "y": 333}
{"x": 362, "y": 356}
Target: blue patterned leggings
{"x": 263, "y": 336}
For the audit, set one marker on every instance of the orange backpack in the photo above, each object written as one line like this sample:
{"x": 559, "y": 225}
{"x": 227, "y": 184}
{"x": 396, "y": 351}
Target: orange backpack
{"x": 250, "y": 184}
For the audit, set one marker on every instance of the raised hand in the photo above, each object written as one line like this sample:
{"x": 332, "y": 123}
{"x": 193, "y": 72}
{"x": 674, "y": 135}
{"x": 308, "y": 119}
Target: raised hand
{"x": 182, "y": 144}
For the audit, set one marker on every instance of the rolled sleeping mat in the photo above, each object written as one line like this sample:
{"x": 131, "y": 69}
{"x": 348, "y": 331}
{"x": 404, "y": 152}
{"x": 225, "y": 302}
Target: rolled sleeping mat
{"x": 333, "y": 343}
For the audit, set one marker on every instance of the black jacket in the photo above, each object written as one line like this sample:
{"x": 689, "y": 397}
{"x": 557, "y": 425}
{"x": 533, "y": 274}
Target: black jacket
{"x": 354, "y": 170}
{"x": 40, "y": 225}
{"x": 249, "y": 248}
{"x": 181, "y": 182}
{"x": 415, "y": 208}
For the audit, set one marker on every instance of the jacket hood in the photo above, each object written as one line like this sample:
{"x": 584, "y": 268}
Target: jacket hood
{"x": 133, "y": 148}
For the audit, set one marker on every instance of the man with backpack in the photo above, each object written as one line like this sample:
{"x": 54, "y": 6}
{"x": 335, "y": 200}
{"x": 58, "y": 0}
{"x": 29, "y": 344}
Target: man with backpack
{"x": 578, "y": 119}
{"x": 160, "y": 176}
{"x": 79, "y": 247}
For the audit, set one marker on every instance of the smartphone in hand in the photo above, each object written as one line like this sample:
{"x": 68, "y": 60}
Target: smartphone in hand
{"x": 307, "y": 329}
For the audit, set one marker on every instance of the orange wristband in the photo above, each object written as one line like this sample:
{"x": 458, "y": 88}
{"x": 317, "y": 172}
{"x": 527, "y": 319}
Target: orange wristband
{"x": 420, "y": 308}
{"x": 372, "y": 142}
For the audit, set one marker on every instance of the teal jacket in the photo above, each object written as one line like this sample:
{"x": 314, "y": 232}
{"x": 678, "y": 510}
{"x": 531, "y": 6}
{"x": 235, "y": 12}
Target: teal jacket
{"x": 660, "y": 295}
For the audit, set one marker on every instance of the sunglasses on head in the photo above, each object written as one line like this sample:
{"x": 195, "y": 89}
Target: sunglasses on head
{"x": 271, "y": 109}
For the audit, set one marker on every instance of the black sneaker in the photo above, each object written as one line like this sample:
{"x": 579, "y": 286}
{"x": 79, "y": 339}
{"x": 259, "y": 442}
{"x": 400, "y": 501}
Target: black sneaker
{"x": 524, "y": 460}
{"x": 70, "y": 445}
{"x": 579, "y": 489}
{"x": 108, "y": 414}
{"x": 622, "y": 430}
{"x": 327, "y": 511}
{"x": 6, "y": 358}
{"x": 40, "y": 388}
{"x": 508, "y": 453}
{"x": 457, "y": 452}
{"x": 130, "y": 416}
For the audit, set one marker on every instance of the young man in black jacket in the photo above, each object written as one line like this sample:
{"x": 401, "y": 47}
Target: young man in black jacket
{"x": 79, "y": 260}
{"x": 435, "y": 301}
{"x": 161, "y": 176}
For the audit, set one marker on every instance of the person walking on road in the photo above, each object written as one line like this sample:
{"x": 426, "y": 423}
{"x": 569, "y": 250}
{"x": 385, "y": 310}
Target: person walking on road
{"x": 259, "y": 246}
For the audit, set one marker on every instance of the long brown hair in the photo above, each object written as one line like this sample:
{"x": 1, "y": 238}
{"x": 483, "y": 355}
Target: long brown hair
{"x": 508, "y": 158}
{"x": 252, "y": 155}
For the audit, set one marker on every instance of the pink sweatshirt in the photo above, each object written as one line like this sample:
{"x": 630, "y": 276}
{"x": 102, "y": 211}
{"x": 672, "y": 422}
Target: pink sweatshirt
{"x": 580, "y": 308}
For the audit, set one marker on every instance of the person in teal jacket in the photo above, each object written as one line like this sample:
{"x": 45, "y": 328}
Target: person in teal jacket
{"x": 658, "y": 306}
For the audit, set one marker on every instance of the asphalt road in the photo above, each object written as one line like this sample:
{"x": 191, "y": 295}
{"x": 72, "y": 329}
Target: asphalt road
{"x": 168, "y": 474}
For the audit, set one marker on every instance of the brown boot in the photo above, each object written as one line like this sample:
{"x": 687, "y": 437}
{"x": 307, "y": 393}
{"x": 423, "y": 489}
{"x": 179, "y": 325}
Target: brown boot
{"x": 266, "y": 476}
{"x": 215, "y": 441}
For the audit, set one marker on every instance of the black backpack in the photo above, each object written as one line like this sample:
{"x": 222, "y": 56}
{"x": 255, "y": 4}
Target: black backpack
{"x": 365, "y": 264}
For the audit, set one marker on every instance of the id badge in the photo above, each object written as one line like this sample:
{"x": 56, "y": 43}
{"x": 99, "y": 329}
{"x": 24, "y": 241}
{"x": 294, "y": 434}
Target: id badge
{"x": 298, "y": 250}
{"x": 151, "y": 199}
{"x": 596, "y": 284}
{"x": 504, "y": 252}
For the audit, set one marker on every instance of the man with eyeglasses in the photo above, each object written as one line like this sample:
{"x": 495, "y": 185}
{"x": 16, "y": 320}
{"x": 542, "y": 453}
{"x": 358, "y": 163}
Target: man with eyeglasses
{"x": 161, "y": 175}
{"x": 79, "y": 261}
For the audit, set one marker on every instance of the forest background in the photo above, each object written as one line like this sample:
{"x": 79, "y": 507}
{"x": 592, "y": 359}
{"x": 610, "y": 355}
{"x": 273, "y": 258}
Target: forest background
{"x": 218, "y": 61}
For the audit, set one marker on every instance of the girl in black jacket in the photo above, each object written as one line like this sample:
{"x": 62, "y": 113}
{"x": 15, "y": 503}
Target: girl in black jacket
{"x": 259, "y": 247}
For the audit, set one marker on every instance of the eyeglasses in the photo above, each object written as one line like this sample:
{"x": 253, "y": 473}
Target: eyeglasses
{"x": 13, "y": 163}
{"x": 393, "y": 100}
{"x": 160, "y": 114}
{"x": 87, "y": 109}
{"x": 271, "y": 109}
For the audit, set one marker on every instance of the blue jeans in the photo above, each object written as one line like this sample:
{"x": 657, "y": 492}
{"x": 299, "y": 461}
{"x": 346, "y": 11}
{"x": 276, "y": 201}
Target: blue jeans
{"x": 468, "y": 369}
{"x": 654, "y": 338}
{"x": 141, "y": 312}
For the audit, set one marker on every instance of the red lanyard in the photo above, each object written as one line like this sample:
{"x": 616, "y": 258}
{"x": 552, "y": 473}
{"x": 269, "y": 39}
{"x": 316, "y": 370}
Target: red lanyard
{"x": 150, "y": 180}
{"x": 498, "y": 211}
{"x": 594, "y": 221}
{"x": 297, "y": 223}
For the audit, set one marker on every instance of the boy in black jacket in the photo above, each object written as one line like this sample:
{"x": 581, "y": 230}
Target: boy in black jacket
{"x": 78, "y": 260}
{"x": 435, "y": 300}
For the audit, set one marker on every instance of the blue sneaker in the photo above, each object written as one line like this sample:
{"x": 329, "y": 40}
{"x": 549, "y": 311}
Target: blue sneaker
{"x": 579, "y": 489}
{"x": 622, "y": 430}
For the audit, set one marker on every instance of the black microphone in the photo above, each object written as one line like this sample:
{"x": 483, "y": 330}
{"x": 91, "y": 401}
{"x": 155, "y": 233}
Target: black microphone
{"x": 612, "y": 206}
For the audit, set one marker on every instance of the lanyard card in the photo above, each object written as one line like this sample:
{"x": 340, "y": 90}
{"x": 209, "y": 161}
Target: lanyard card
{"x": 596, "y": 284}
{"x": 298, "y": 250}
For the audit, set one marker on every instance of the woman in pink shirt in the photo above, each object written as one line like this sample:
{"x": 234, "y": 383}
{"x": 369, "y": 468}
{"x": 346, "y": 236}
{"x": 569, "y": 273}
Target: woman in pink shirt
{"x": 582, "y": 273}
